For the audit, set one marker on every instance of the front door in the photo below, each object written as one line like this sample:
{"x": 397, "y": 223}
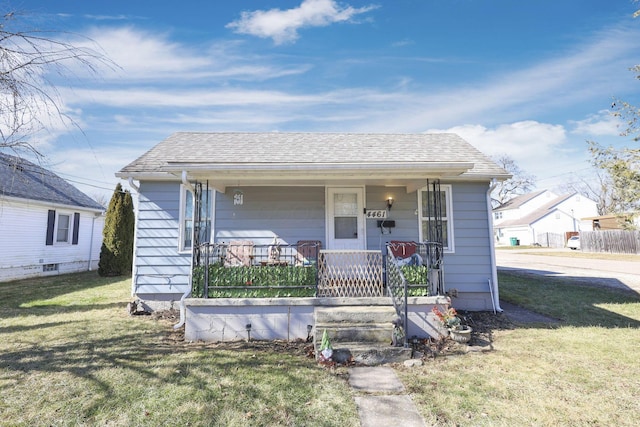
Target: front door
{"x": 345, "y": 218}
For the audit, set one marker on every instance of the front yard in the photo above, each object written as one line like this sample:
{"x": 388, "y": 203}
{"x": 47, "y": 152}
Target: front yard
{"x": 71, "y": 355}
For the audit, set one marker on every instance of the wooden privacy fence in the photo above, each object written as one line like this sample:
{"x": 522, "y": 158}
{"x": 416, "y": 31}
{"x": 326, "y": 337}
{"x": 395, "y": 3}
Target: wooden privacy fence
{"x": 550, "y": 240}
{"x": 614, "y": 241}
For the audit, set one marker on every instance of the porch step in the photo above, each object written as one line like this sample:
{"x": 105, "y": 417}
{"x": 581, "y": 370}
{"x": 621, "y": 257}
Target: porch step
{"x": 370, "y": 354}
{"x": 359, "y": 332}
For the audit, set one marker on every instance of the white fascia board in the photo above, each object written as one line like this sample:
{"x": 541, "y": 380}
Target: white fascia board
{"x": 48, "y": 205}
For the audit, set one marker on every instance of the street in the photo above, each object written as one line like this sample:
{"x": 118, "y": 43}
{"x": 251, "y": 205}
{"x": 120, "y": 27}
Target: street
{"x": 612, "y": 273}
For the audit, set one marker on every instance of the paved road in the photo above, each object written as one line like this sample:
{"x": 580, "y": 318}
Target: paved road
{"x": 617, "y": 274}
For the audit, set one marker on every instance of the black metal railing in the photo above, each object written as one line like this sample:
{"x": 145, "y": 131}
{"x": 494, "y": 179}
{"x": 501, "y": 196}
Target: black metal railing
{"x": 412, "y": 269}
{"x": 242, "y": 269}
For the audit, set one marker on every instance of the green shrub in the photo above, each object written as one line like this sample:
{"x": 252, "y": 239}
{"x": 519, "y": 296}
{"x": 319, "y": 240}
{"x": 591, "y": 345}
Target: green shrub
{"x": 116, "y": 253}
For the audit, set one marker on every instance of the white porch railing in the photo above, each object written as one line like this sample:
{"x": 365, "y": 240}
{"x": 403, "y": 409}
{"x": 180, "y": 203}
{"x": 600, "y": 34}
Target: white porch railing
{"x": 350, "y": 273}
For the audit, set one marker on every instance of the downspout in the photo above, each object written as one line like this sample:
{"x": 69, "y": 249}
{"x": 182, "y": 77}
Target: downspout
{"x": 134, "y": 281}
{"x": 132, "y": 185}
{"x": 183, "y": 308}
{"x": 93, "y": 226}
{"x": 492, "y": 250}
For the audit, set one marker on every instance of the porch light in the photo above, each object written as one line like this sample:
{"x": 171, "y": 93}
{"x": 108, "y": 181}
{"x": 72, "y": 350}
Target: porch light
{"x": 389, "y": 203}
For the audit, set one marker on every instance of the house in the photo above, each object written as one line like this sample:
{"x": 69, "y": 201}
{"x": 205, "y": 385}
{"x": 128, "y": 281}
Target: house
{"x": 350, "y": 193}
{"x": 47, "y": 226}
{"x": 542, "y": 217}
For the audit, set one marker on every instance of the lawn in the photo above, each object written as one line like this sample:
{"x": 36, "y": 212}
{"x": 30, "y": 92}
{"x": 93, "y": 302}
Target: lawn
{"x": 70, "y": 355}
{"x": 582, "y": 371}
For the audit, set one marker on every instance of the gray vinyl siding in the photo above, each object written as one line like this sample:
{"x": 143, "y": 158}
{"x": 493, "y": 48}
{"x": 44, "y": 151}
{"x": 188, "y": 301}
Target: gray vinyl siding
{"x": 159, "y": 268}
{"x": 291, "y": 213}
{"x": 469, "y": 267}
{"x": 298, "y": 213}
{"x": 403, "y": 213}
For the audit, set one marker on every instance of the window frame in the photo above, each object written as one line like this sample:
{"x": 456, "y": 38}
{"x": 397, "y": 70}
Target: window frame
{"x": 447, "y": 189}
{"x": 182, "y": 217}
{"x": 69, "y": 228}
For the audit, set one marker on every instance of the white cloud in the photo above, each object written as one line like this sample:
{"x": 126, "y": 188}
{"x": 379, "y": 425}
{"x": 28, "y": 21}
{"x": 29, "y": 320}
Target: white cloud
{"x": 602, "y": 124}
{"x": 541, "y": 149}
{"x": 282, "y": 25}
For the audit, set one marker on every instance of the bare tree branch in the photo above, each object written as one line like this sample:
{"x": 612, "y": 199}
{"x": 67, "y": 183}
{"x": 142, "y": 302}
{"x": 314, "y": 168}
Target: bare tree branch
{"x": 29, "y": 100}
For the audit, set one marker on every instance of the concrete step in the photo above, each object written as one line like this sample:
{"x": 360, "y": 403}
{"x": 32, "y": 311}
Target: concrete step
{"x": 355, "y": 332}
{"x": 368, "y": 354}
{"x": 355, "y": 314}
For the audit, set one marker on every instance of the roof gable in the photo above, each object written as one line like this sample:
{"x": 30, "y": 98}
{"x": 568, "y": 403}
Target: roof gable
{"x": 25, "y": 180}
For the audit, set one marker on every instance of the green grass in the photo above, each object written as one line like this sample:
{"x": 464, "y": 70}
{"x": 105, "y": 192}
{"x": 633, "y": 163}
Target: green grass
{"x": 543, "y": 375}
{"x": 70, "y": 355}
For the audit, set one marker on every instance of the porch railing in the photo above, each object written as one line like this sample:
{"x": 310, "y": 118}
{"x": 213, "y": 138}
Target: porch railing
{"x": 350, "y": 273}
{"x": 413, "y": 269}
{"x": 243, "y": 269}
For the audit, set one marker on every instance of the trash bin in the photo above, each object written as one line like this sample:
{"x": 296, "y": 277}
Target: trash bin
{"x": 514, "y": 241}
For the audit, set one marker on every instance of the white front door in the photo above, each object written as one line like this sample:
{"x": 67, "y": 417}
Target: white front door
{"x": 345, "y": 218}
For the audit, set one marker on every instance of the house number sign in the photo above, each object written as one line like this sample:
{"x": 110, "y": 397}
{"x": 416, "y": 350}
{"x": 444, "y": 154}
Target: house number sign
{"x": 376, "y": 214}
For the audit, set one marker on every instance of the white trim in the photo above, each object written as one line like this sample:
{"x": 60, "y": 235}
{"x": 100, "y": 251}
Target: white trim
{"x": 448, "y": 191}
{"x": 56, "y": 228}
{"x": 181, "y": 217}
{"x": 362, "y": 223}
{"x": 48, "y": 205}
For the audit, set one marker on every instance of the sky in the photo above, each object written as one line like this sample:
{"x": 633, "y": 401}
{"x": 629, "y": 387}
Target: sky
{"x": 533, "y": 80}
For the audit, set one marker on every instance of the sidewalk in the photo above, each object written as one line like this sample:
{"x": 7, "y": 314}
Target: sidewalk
{"x": 381, "y": 398}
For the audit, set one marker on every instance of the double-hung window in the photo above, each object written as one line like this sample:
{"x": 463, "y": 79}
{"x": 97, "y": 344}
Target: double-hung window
{"x": 434, "y": 209}
{"x": 186, "y": 218}
{"x": 63, "y": 228}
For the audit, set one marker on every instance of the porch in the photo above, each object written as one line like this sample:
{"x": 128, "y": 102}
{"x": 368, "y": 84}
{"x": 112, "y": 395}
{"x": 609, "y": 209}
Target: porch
{"x": 246, "y": 291}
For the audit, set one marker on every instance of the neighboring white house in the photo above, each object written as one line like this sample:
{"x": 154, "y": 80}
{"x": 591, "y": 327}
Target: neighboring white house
{"x": 47, "y": 226}
{"x": 542, "y": 218}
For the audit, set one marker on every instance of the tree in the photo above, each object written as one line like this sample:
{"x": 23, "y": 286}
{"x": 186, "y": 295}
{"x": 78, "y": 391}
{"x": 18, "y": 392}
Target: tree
{"x": 599, "y": 189}
{"x": 29, "y": 101}
{"x": 622, "y": 165}
{"x": 116, "y": 254}
{"x": 519, "y": 183}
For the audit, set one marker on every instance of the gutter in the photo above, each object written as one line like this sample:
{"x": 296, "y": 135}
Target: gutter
{"x": 493, "y": 282}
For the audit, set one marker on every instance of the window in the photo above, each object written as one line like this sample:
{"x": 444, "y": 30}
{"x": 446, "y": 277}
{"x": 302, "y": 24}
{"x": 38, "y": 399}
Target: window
{"x": 426, "y": 202}
{"x": 498, "y": 215}
{"x": 186, "y": 218}
{"x": 62, "y": 231}
{"x": 49, "y": 267}
{"x": 61, "y": 228}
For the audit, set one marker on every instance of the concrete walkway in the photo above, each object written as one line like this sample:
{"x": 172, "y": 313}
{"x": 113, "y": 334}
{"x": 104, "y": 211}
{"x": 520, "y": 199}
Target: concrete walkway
{"x": 381, "y": 398}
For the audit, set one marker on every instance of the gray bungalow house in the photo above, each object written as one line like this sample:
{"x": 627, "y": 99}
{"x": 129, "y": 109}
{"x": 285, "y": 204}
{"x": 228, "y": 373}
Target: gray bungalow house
{"x": 259, "y": 195}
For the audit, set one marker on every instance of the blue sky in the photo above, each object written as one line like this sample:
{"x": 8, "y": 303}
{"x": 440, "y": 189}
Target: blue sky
{"x": 530, "y": 79}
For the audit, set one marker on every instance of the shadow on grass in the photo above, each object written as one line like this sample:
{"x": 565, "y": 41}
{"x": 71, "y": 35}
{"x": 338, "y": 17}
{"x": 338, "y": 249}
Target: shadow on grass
{"x": 572, "y": 301}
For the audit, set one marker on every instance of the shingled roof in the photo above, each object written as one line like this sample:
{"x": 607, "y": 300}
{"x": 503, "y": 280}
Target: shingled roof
{"x": 23, "y": 179}
{"x": 277, "y": 158}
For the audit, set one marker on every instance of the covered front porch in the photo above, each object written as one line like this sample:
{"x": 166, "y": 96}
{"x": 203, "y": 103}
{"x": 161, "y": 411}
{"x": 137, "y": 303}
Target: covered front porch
{"x": 242, "y": 290}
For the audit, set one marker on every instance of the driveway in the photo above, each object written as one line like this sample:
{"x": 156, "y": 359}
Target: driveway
{"x": 616, "y": 274}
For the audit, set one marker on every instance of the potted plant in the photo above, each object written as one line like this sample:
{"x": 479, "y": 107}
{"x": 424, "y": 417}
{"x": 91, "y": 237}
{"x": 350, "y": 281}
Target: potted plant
{"x": 450, "y": 320}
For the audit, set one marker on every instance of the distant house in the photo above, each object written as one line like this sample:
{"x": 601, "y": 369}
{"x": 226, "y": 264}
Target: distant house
{"x": 614, "y": 222}
{"x": 542, "y": 217}
{"x": 47, "y": 226}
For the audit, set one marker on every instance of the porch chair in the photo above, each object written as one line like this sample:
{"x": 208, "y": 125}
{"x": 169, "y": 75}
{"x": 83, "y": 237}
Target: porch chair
{"x": 400, "y": 249}
{"x": 308, "y": 250}
{"x": 239, "y": 253}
